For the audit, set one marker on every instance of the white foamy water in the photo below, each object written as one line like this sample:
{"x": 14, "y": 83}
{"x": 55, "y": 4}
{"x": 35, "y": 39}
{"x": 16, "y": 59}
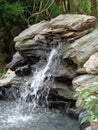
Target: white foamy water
{"x": 38, "y": 78}
{"x": 13, "y": 119}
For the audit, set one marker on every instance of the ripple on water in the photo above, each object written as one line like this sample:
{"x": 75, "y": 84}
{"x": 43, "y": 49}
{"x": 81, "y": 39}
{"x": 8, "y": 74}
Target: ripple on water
{"x": 14, "y": 117}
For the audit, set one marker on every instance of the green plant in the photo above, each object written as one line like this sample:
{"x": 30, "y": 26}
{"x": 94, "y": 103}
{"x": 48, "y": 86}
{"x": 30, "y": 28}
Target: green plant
{"x": 89, "y": 102}
{"x": 2, "y": 72}
{"x": 11, "y": 13}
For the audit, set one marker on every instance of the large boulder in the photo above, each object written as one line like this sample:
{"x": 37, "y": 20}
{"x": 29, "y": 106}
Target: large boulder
{"x": 82, "y": 49}
{"x": 73, "y": 22}
{"x": 91, "y": 65}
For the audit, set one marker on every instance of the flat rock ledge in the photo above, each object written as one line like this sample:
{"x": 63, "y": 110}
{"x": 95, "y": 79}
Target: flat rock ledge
{"x": 68, "y": 26}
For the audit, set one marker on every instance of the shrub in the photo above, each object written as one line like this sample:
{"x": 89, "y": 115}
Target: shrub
{"x": 89, "y": 102}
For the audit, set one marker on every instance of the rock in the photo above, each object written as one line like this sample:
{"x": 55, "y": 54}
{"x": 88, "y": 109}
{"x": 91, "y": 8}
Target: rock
{"x": 28, "y": 43}
{"x": 73, "y": 22}
{"x": 88, "y": 128}
{"x": 91, "y": 64}
{"x": 62, "y": 68}
{"x": 84, "y": 81}
{"x": 32, "y": 31}
{"x": 10, "y": 93}
{"x": 33, "y": 49}
{"x": 94, "y": 126}
{"x": 82, "y": 49}
{"x": 45, "y": 32}
{"x": 17, "y": 61}
{"x": 64, "y": 90}
{"x": 24, "y": 70}
{"x": 21, "y": 82}
{"x": 74, "y": 113}
{"x": 6, "y": 79}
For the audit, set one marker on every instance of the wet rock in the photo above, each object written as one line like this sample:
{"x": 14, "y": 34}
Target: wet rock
{"x": 74, "y": 113}
{"x": 73, "y": 22}
{"x": 2, "y": 97}
{"x": 11, "y": 93}
{"x": 20, "y": 82}
{"x": 63, "y": 68}
{"x": 59, "y": 102}
{"x": 91, "y": 65}
{"x": 24, "y": 70}
{"x": 82, "y": 49}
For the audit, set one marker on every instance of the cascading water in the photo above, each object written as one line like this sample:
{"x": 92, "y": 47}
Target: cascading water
{"x": 39, "y": 77}
{"x": 37, "y": 82}
{"x": 21, "y": 115}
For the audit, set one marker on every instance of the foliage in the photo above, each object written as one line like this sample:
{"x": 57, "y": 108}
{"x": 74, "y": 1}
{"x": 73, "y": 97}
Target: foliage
{"x": 89, "y": 98}
{"x": 2, "y": 73}
{"x": 10, "y": 14}
{"x": 18, "y": 12}
{"x": 23, "y": 12}
{"x": 84, "y": 6}
{"x": 3, "y": 70}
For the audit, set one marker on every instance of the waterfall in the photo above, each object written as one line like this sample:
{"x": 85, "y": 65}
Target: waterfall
{"x": 38, "y": 81}
{"x": 22, "y": 115}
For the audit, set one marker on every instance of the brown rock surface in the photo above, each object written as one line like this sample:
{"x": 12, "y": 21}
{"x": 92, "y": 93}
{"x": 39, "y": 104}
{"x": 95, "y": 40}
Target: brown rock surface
{"x": 91, "y": 64}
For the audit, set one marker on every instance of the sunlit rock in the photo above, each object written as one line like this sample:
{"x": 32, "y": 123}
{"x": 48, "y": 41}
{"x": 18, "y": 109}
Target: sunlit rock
{"x": 73, "y": 22}
{"x": 91, "y": 64}
{"x": 82, "y": 49}
{"x": 6, "y": 79}
{"x": 84, "y": 81}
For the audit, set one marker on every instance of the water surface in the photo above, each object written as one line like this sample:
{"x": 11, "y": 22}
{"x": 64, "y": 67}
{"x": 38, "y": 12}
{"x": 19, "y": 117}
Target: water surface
{"x": 15, "y": 117}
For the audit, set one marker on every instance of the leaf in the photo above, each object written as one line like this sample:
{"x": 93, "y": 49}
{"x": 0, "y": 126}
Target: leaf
{"x": 84, "y": 119}
{"x": 96, "y": 109}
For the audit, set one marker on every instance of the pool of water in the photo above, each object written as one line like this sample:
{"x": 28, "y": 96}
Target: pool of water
{"x": 18, "y": 117}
